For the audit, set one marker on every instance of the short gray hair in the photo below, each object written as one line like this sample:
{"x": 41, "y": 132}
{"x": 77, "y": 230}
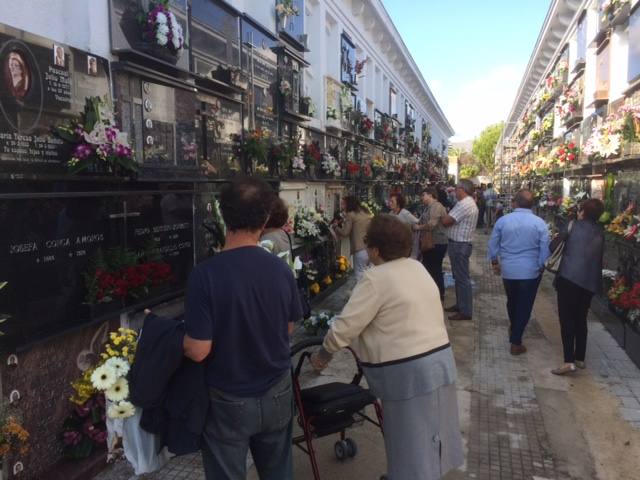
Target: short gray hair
{"x": 467, "y": 185}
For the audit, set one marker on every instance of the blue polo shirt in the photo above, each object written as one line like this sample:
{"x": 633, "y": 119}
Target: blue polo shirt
{"x": 243, "y": 300}
{"x": 521, "y": 241}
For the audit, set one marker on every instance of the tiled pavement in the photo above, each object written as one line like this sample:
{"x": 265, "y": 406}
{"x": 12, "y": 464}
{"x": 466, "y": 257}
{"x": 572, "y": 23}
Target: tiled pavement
{"x": 506, "y": 436}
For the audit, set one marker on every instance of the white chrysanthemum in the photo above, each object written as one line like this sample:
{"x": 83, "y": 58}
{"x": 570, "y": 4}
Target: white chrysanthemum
{"x": 176, "y": 42}
{"x": 103, "y": 377}
{"x": 161, "y": 18}
{"x": 121, "y": 410}
{"x": 119, "y": 365}
{"x": 163, "y": 29}
{"x": 297, "y": 264}
{"x": 609, "y": 145}
{"x": 119, "y": 391}
{"x": 161, "y": 39}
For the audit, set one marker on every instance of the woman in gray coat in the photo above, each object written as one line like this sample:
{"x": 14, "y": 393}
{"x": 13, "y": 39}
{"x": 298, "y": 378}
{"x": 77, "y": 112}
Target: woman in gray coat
{"x": 579, "y": 278}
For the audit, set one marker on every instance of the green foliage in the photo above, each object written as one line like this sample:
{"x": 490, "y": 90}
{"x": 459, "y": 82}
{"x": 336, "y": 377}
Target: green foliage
{"x": 469, "y": 171}
{"x": 484, "y": 146}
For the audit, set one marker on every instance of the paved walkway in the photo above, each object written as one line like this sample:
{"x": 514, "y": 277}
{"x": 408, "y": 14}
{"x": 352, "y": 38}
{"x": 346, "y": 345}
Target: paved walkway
{"x": 519, "y": 421}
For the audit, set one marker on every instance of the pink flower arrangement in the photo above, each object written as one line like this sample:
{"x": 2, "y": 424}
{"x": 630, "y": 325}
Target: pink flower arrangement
{"x": 96, "y": 140}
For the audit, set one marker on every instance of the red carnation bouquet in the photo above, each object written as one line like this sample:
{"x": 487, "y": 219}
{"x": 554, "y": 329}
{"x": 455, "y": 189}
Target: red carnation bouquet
{"x": 120, "y": 274}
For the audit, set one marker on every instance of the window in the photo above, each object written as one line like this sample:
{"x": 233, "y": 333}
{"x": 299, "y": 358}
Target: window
{"x": 347, "y": 60}
{"x": 634, "y": 45}
{"x": 393, "y": 101}
{"x": 215, "y": 37}
{"x": 602, "y": 73}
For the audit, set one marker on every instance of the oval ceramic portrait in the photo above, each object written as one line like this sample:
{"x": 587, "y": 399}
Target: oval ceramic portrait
{"x": 21, "y": 95}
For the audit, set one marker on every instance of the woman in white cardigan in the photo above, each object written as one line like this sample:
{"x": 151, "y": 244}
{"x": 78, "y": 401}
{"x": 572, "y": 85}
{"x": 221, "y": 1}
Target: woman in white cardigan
{"x": 395, "y": 324}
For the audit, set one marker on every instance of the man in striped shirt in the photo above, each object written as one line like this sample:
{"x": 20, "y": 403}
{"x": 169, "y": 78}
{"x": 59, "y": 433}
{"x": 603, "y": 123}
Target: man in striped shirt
{"x": 461, "y": 223}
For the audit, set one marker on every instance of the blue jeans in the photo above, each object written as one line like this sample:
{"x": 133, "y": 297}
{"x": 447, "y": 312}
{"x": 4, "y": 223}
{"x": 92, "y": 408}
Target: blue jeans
{"x": 237, "y": 424}
{"x": 459, "y": 254}
{"x": 520, "y": 297}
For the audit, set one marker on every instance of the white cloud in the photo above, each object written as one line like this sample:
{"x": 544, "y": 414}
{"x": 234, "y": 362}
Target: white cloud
{"x": 482, "y": 101}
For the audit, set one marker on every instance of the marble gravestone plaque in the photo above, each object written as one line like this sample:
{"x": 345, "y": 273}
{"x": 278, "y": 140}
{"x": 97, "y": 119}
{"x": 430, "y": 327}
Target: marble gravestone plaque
{"x": 44, "y": 253}
{"x": 42, "y": 84}
{"x": 47, "y": 259}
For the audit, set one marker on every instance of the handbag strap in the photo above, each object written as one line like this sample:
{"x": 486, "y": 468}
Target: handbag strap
{"x": 290, "y": 242}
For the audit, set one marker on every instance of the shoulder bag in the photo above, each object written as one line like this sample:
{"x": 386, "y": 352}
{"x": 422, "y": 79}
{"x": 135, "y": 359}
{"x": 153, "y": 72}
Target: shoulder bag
{"x": 303, "y": 293}
{"x": 553, "y": 262}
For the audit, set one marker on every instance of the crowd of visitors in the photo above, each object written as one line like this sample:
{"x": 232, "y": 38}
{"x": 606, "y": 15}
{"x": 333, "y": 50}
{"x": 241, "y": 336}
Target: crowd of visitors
{"x": 242, "y": 303}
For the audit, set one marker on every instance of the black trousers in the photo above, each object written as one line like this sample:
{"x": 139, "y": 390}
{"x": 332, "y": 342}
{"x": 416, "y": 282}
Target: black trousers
{"x": 573, "y": 307}
{"x": 432, "y": 261}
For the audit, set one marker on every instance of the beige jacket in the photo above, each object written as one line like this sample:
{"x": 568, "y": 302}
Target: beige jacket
{"x": 355, "y": 227}
{"x": 394, "y": 313}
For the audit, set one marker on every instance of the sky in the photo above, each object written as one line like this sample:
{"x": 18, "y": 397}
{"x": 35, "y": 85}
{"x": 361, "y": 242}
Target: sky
{"x": 472, "y": 53}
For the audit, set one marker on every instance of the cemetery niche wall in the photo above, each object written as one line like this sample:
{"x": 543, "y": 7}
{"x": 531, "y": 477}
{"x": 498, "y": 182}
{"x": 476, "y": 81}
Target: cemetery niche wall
{"x": 79, "y": 245}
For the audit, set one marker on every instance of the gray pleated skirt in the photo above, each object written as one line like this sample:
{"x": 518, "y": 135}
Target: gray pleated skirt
{"x": 422, "y": 435}
{"x": 420, "y": 405}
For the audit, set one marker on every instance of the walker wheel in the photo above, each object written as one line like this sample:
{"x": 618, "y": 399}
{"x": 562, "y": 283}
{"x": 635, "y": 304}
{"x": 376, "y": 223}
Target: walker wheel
{"x": 341, "y": 450}
{"x": 352, "y": 447}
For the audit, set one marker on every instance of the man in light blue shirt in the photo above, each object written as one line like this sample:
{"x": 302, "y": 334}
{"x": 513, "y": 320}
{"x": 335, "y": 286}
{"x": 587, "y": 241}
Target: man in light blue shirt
{"x": 518, "y": 248}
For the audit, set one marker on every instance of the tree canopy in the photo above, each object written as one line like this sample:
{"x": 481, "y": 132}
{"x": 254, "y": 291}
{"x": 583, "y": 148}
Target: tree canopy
{"x": 484, "y": 146}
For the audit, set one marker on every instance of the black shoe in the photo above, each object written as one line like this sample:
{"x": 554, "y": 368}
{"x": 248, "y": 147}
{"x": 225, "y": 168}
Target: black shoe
{"x": 452, "y": 309}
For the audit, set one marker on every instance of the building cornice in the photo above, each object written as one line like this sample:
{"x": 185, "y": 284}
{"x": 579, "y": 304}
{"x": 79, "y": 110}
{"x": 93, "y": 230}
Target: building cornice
{"x": 553, "y": 36}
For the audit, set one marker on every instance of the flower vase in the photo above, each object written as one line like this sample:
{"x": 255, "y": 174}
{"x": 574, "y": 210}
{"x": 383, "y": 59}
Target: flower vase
{"x": 283, "y": 22}
{"x": 311, "y": 170}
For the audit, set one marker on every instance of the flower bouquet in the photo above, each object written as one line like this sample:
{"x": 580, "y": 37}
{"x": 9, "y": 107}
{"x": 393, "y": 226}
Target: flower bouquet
{"x": 610, "y": 8}
{"x": 285, "y": 88}
{"x": 312, "y": 154}
{"x": 298, "y": 165}
{"x": 253, "y": 148}
{"x": 565, "y": 154}
{"x": 162, "y": 29}
{"x": 365, "y": 126}
{"x": 85, "y": 429}
{"x": 330, "y": 165}
{"x": 14, "y": 439}
{"x": 319, "y": 323}
{"x": 97, "y": 143}
{"x": 342, "y": 266}
{"x": 371, "y": 207}
{"x": 120, "y": 274}
{"x": 309, "y": 224}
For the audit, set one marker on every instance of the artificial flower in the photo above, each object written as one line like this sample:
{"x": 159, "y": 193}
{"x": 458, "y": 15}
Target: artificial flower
{"x": 119, "y": 365}
{"x": 119, "y": 391}
{"x": 122, "y": 409}
{"x": 103, "y": 377}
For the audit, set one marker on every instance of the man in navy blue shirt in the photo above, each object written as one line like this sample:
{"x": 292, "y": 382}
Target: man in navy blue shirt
{"x": 518, "y": 248}
{"x": 240, "y": 308}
